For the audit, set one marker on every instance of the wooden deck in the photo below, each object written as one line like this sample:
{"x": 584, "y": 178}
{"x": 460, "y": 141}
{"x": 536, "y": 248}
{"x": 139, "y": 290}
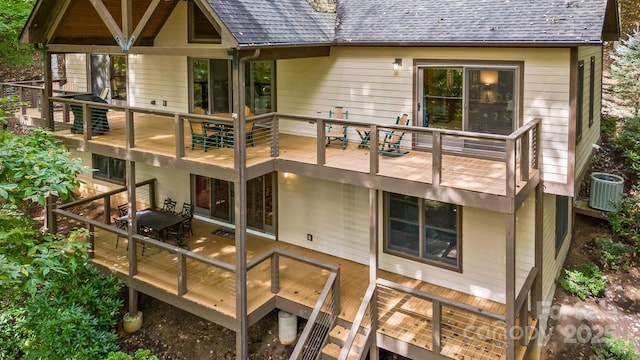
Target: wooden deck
{"x": 155, "y": 135}
{"x": 401, "y": 317}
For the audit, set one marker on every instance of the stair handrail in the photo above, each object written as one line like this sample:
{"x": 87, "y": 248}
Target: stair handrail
{"x": 298, "y": 351}
{"x": 357, "y": 322}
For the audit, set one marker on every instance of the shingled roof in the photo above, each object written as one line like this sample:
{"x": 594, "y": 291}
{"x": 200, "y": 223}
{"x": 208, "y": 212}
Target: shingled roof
{"x": 417, "y": 22}
{"x": 281, "y": 22}
{"x": 471, "y": 21}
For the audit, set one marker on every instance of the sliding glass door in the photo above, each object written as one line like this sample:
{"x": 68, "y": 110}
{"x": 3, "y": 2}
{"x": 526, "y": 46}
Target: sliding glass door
{"x": 466, "y": 97}
{"x": 215, "y": 198}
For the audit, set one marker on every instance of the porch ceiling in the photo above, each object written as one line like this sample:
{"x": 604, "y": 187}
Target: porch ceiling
{"x": 79, "y": 23}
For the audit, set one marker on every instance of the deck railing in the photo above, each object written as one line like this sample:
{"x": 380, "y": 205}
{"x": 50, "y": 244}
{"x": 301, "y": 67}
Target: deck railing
{"x": 365, "y": 315}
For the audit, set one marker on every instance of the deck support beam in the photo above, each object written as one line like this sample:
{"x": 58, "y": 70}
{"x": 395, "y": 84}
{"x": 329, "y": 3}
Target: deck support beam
{"x": 373, "y": 270}
{"x": 510, "y": 286}
{"x": 131, "y": 230}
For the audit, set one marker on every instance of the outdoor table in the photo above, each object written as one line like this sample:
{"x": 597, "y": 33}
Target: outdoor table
{"x": 156, "y": 220}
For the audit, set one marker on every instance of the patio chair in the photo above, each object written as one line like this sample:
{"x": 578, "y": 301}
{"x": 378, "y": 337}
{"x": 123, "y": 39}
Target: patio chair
{"x": 336, "y": 132}
{"x": 227, "y": 135}
{"x": 203, "y": 135}
{"x": 123, "y": 210}
{"x": 169, "y": 206}
{"x": 124, "y": 225}
{"x": 390, "y": 142}
{"x": 187, "y": 214}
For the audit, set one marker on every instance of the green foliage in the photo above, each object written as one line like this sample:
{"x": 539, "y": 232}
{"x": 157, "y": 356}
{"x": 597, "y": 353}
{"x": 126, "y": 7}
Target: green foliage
{"x": 627, "y": 141}
{"x": 611, "y": 348}
{"x": 35, "y": 166}
{"x": 625, "y": 69}
{"x": 625, "y": 222}
{"x": 13, "y": 16}
{"x": 611, "y": 253}
{"x": 608, "y": 125}
{"x": 141, "y": 354}
{"x": 8, "y": 105}
{"x": 585, "y": 282}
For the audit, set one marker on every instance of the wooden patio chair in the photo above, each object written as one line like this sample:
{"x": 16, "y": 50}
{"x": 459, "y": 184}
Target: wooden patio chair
{"x": 390, "y": 142}
{"x": 336, "y": 132}
{"x": 202, "y": 135}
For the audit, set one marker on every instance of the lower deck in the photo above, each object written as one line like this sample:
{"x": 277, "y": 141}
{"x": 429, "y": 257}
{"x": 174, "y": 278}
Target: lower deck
{"x": 403, "y": 319}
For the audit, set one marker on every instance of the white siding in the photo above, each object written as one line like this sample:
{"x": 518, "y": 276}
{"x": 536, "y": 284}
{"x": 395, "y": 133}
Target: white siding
{"x": 76, "y": 70}
{"x": 337, "y": 215}
{"x": 154, "y": 77}
{"x": 363, "y": 82}
{"x": 167, "y": 178}
{"x": 590, "y": 134}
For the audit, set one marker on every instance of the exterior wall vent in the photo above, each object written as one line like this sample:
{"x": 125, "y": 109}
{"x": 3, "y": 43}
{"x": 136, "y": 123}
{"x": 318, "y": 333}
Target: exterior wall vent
{"x": 328, "y": 6}
{"x": 606, "y": 191}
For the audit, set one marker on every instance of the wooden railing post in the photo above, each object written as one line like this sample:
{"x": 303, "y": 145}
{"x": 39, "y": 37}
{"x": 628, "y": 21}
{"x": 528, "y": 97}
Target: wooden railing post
{"x": 510, "y": 165}
{"x": 275, "y": 142}
{"x": 525, "y": 156}
{"x": 179, "y": 125}
{"x": 107, "y": 209}
{"x": 336, "y": 293}
{"x": 523, "y": 324}
{"x": 436, "y": 326}
{"x": 374, "y": 157}
{"x": 275, "y": 273}
{"x": 23, "y": 107}
{"x": 320, "y": 133}
{"x": 92, "y": 241}
{"x": 436, "y": 154}
{"x": 182, "y": 275}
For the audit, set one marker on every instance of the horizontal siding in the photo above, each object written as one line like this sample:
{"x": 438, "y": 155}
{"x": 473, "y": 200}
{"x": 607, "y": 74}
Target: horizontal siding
{"x": 336, "y": 215}
{"x": 590, "y": 134}
{"x": 363, "y": 82}
{"x": 153, "y": 77}
{"x": 525, "y": 240}
{"x": 76, "y": 70}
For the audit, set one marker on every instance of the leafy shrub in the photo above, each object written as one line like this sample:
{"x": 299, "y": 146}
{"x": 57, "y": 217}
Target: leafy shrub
{"x": 618, "y": 349}
{"x": 608, "y": 125}
{"x": 141, "y": 354}
{"x": 627, "y": 142}
{"x": 73, "y": 313}
{"x": 585, "y": 282}
{"x": 625, "y": 222}
{"x": 611, "y": 253}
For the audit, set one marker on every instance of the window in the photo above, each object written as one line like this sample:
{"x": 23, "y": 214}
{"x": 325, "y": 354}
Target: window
{"x": 472, "y": 97}
{"x": 579, "y": 100}
{"x": 211, "y": 85}
{"x": 201, "y": 30}
{"x": 119, "y": 77}
{"x": 592, "y": 85}
{"x": 215, "y": 198}
{"x": 562, "y": 220}
{"x": 109, "y": 169}
{"x": 423, "y": 230}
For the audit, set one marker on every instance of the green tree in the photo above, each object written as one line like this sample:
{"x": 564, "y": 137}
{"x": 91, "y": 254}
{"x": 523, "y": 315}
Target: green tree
{"x": 625, "y": 69}
{"x": 13, "y": 16}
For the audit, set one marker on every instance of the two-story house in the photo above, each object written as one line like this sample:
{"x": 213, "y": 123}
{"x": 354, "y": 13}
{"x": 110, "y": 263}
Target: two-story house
{"x": 399, "y": 173}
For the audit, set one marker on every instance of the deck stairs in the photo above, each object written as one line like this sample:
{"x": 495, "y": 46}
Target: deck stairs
{"x": 336, "y": 340}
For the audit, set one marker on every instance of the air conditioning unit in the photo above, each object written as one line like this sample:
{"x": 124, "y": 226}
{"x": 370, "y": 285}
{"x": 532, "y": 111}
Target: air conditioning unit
{"x": 606, "y": 191}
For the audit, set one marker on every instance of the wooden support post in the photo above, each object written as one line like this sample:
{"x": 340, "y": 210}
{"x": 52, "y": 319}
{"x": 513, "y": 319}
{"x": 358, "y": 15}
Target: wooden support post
{"x": 320, "y": 146}
{"x": 275, "y": 273}
{"x": 373, "y": 257}
{"x": 510, "y": 285}
{"x": 436, "y": 153}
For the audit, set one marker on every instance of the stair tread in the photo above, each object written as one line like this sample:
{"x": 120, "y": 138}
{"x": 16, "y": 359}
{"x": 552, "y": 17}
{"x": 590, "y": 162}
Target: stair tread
{"x": 332, "y": 351}
{"x": 339, "y": 334}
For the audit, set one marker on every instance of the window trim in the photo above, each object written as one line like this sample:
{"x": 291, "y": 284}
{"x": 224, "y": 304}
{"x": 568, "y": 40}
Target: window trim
{"x": 388, "y": 250}
{"x": 592, "y": 85}
{"x": 518, "y": 93}
{"x": 109, "y": 178}
{"x": 579, "y": 101}
{"x": 562, "y": 205}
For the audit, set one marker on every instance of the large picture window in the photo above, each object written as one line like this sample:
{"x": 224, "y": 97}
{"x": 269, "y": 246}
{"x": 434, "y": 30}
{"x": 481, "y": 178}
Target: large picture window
{"x": 108, "y": 168}
{"x": 423, "y": 230}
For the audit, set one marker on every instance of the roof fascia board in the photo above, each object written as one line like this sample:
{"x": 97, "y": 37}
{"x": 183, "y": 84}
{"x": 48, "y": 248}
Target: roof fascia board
{"x": 611, "y": 28}
{"x": 215, "y": 20}
{"x": 289, "y": 53}
{"x": 27, "y": 35}
{"x": 515, "y": 44}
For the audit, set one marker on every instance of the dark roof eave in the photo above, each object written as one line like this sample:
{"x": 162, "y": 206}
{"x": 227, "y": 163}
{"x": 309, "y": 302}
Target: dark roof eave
{"x": 283, "y": 45}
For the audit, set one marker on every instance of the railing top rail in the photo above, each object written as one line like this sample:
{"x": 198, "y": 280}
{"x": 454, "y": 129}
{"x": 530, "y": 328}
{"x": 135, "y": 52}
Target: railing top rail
{"x": 160, "y": 244}
{"x": 433, "y": 297}
{"x": 102, "y": 195}
{"x": 25, "y": 86}
{"x": 526, "y": 286}
{"x": 262, "y": 257}
{"x": 525, "y": 128}
{"x": 357, "y": 321}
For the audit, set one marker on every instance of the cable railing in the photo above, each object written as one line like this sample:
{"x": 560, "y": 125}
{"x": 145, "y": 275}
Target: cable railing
{"x": 364, "y": 316}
